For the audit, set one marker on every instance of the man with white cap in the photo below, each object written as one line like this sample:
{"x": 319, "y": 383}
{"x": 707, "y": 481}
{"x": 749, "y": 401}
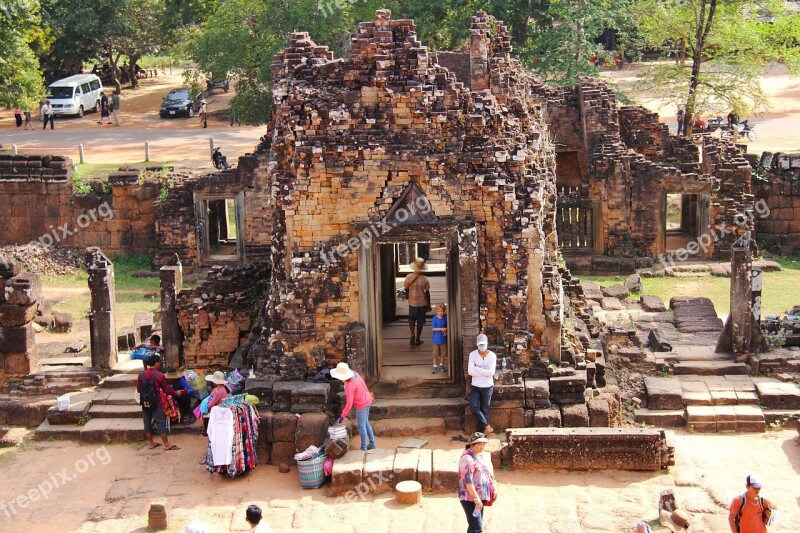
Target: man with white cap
{"x": 750, "y": 513}
{"x": 482, "y": 366}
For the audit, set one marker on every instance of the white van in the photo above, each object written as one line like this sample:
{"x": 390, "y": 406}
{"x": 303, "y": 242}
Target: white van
{"x": 74, "y": 95}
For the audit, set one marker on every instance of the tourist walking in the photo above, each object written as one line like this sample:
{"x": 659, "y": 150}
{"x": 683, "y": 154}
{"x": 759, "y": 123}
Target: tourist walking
{"x": 148, "y": 385}
{"x": 18, "y": 118}
{"x": 476, "y": 487}
{"x": 749, "y": 512}
{"x": 28, "y": 120}
{"x": 482, "y": 366}
{"x": 356, "y": 394}
{"x": 115, "y": 98}
{"x": 47, "y": 114}
{"x": 439, "y": 330}
{"x": 419, "y": 299}
{"x": 204, "y": 112}
{"x": 234, "y": 118}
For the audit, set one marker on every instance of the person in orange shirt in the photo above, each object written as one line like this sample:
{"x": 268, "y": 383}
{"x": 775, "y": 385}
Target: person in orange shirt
{"x": 749, "y": 508}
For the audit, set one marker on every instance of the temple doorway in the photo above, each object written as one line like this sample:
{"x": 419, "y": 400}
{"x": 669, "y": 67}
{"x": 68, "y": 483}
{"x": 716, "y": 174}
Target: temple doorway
{"x": 684, "y": 216}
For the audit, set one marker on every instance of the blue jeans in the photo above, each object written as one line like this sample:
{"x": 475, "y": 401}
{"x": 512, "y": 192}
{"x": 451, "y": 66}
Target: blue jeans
{"x": 364, "y": 427}
{"x": 474, "y": 523}
{"x": 480, "y": 398}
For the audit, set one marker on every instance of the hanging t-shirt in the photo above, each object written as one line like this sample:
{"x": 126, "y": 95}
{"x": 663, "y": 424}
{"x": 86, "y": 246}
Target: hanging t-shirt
{"x": 220, "y": 435}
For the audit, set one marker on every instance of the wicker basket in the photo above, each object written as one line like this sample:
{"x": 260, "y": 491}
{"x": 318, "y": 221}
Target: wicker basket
{"x": 311, "y": 474}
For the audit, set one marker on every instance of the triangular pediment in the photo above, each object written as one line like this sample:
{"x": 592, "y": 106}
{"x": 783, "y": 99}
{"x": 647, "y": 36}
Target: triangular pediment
{"x": 412, "y": 206}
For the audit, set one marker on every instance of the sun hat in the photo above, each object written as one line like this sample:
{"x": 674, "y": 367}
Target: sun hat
{"x": 477, "y": 437}
{"x": 482, "y": 341}
{"x": 754, "y": 480}
{"x": 342, "y": 371}
{"x": 677, "y": 521}
{"x": 171, "y": 373}
{"x": 418, "y": 265}
{"x": 217, "y": 378}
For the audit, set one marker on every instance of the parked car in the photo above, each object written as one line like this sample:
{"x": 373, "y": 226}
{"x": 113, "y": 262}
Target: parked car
{"x": 180, "y": 103}
{"x": 75, "y": 94}
{"x": 223, "y": 84}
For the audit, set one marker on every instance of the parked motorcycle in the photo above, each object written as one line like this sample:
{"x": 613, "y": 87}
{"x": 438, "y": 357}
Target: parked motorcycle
{"x": 219, "y": 160}
{"x": 744, "y": 129}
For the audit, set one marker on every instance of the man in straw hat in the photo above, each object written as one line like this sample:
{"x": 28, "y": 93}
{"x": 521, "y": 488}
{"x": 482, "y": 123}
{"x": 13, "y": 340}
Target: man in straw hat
{"x": 750, "y": 510}
{"x": 356, "y": 394}
{"x": 419, "y": 299}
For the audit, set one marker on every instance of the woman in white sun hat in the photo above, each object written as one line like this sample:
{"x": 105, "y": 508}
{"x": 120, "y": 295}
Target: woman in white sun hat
{"x": 357, "y": 395}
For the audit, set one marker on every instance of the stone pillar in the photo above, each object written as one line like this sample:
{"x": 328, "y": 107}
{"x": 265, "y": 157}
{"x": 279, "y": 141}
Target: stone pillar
{"x": 102, "y": 320}
{"x": 171, "y": 335}
{"x": 19, "y": 300}
{"x": 478, "y": 58}
{"x": 741, "y": 300}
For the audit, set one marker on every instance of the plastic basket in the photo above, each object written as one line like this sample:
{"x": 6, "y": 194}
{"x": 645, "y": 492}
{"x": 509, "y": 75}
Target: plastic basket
{"x": 311, "y": 473}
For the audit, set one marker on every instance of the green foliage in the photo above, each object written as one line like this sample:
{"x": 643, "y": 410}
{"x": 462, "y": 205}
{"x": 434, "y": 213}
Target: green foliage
{"x": 80, "y": 182}
{"x": 20, "y": 78}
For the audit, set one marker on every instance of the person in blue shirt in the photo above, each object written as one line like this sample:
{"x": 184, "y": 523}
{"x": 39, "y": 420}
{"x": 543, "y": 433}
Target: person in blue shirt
{"x": 439, "y": 329}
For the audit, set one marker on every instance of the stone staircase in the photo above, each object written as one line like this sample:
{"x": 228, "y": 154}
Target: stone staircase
{"x": 56, "y": 376}
{"x": 699, "y": 360}
{"x": 108, "y": 413}
{"x": 401, "y": 417}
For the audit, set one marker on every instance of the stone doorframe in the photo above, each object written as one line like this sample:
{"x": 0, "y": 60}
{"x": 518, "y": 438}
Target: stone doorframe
{"x": 462, "y": 283}
{"x": 201, "y": 221}
{"x": 702, "y": 216}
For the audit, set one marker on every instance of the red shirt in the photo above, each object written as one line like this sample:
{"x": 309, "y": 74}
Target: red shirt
{"x": 159, "y": 383}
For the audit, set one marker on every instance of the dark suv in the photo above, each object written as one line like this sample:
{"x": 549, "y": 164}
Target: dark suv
{"x": 180, "y": 103}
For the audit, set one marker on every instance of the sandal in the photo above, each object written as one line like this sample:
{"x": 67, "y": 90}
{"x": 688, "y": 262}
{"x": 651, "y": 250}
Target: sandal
{"x": 173, "y": 447}
{"x": 459, "y": 438}
{"x": 157, "y": 444}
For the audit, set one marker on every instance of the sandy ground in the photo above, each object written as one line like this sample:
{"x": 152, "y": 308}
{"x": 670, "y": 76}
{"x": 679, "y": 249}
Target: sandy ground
{"x": 778, "y": 128}
{"x": 112, "y": 495}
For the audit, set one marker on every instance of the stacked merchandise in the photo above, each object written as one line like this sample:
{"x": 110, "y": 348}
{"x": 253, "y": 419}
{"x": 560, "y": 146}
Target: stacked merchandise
{"x": 232, "y": 437}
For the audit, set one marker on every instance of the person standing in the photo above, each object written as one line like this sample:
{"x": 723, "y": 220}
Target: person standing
{"x": 18, "y": 117}
{"x": 419, "y": 299}
{"x": 253, "y": 516}
{"x": 115, "y": 98}
{"x": 47, "y": 114}
{"x": 357, "y": 394}
{"x": 749, "y": 509}
{"x": 482, "y": 366}
{"x": 234, "y": 118}
{"x": 105, "y": 112}
{"x": 204, "y": 112}
{"x": 439, "y": 329}
{"x": 679, "y": 116}
{"x": 148, "y": 385}
{"x": 475, "y": 483}
{"x": 28, "y": 120}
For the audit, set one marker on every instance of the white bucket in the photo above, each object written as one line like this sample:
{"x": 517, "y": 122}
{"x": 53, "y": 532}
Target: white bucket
{"x": 62, "y": 402}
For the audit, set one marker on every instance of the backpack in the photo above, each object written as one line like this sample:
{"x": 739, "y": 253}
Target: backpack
{"x": 148, "y": 397}
{"x": 766, "y": 513}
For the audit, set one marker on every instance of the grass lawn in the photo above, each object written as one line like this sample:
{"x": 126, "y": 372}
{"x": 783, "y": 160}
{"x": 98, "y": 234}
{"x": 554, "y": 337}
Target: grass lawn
{"x": 778, "y": 295}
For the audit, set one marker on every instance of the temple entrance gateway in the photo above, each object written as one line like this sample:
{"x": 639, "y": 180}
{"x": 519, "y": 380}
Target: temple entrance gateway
{"x": 220, "y": 223}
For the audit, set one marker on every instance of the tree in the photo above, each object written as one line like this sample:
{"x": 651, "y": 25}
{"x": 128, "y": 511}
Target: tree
{"x": 728, "y": 44}
{"x": 20, "y": 78}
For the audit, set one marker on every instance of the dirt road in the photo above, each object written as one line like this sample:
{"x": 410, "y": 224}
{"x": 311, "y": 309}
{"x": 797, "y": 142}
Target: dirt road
{"x": 181, "y": 141}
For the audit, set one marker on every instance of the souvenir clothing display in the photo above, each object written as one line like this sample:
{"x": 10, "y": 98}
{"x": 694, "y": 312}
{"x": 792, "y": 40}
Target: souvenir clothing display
{"x": 232, "y": 437}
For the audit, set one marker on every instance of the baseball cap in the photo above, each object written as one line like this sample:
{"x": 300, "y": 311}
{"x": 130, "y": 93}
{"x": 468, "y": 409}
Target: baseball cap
{"x": 482, "y": 341}
{"x": 754, "y": 480}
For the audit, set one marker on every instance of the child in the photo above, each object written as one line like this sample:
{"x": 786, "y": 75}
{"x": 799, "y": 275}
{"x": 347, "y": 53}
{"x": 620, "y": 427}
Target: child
{"x": 439, "y": 329}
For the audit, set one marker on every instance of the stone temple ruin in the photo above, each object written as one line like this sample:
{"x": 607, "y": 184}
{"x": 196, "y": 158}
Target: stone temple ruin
{"x": 461, "y": 157}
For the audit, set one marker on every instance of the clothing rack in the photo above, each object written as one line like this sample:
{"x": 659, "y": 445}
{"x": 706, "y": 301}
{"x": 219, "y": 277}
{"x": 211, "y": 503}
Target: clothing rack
{"x": 232, "y": 437}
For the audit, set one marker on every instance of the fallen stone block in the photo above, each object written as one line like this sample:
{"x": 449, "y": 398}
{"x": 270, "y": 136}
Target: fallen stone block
{"x": 600, "y": 448}
{"x": 547, "y": 418}
{"x": 575, "y": 416}
{"x": 445, "y": 471}
{"x": 157, "y": 516}
{"x": 616, "y": 291}
{"x": 599, "y": 413}
{"x": 652, "y": 304}
{"x": 778, "y": 395}
{"x": 62, "y": 322}
{"x": 347, "y": 474}
{"x": 611, "y": 304}
{"x": 663, "y": 393}
{"x": 406, "y": 462}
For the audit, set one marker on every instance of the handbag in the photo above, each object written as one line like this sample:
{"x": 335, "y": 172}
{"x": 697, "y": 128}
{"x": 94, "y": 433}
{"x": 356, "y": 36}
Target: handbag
{"x": 492, "y": 495}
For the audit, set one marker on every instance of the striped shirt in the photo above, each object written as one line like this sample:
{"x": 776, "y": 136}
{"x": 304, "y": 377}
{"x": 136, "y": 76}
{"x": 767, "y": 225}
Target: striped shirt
{"x": 417, "y": 283}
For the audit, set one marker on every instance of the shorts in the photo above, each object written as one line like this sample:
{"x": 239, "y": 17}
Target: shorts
{"x": 417, "y": 314}
{"x": 157, "y": 414}
{"x": 439, "y": 351}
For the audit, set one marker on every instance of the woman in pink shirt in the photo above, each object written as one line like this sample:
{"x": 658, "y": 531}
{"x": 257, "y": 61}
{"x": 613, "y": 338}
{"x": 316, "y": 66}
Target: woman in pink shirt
{"x": 218, "y": 393}
{"x": 357, "y": 395}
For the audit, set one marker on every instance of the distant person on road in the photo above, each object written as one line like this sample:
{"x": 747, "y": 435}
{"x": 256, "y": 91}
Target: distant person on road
{"x": 105, "y": 111}
{"x": 234, "y": 118}
{"x": 47, "y": 115}
{"x": 115, "y": 98}
{"x": 18, "y": 118}
{"x": 28, "y": 120}
{"x": 204, "y": 112}
{"x": 679, "y": 116}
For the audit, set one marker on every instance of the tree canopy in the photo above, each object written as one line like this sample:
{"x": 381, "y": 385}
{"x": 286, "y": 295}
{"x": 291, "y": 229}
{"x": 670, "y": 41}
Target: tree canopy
{"x": 20, "y": 76}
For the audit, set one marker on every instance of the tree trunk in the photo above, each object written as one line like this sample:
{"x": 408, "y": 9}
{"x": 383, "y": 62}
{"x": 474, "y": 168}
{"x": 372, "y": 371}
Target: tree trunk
{"x": 705, "y": 20}
{"x": 134, "y": 57}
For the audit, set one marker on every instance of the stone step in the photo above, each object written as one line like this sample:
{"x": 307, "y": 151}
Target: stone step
{"x": 116, "y": 411}
{"x": 407, "y": 427}
{"x": 672, "y": 418}
{"x": 118, "y": 381}
{"x": 108, "y": 430}
{"x": 84, "y": 361}
{"x": 65, "y": 386}
{"x": 417, "y": 408}
{"x": 122, "y": 396}
{"x": 709, "y": 368}
{"x": 725, "y": 418}
{"x": 785, "y": 418}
